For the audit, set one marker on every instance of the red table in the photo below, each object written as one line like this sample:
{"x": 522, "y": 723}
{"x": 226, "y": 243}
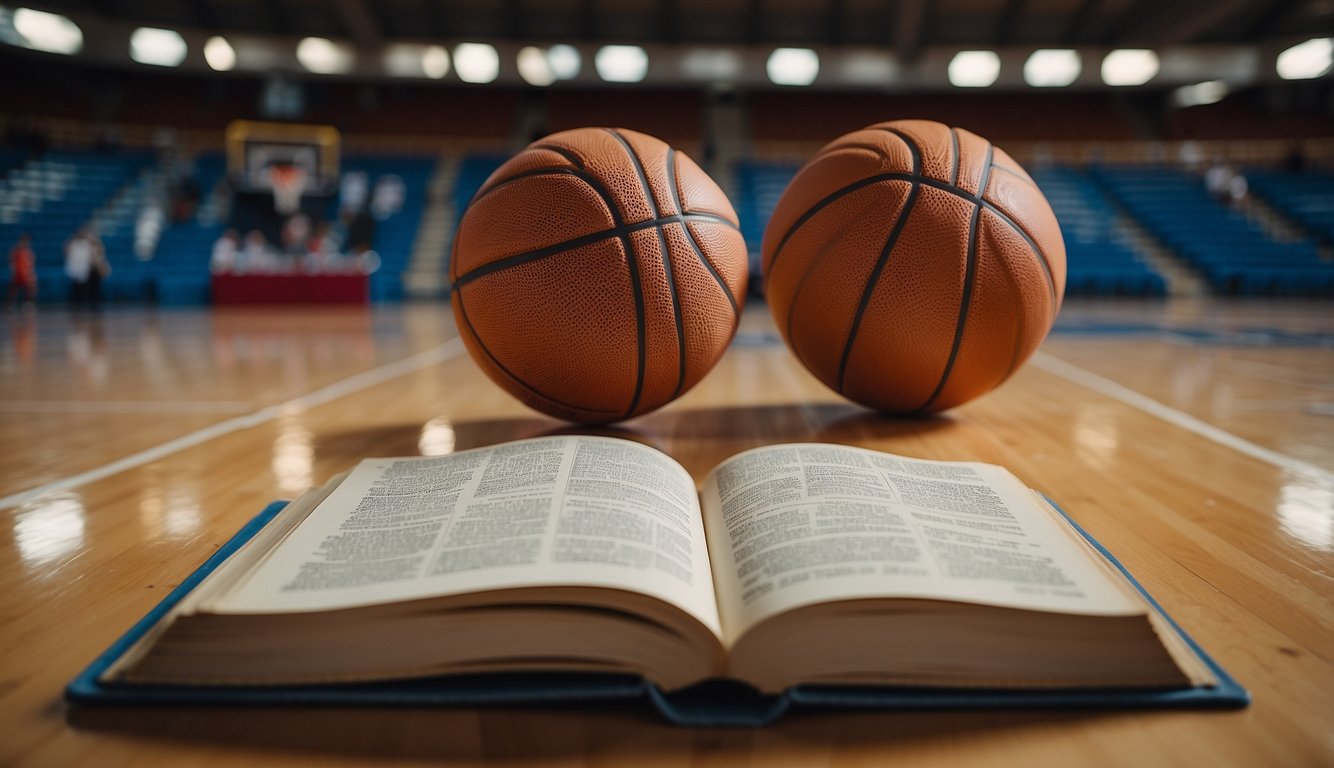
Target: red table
{"x": 291, "y": 289}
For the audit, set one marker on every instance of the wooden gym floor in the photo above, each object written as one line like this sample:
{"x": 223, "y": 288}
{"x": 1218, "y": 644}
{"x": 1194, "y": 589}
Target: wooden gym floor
{"x": 1195, "y": 439}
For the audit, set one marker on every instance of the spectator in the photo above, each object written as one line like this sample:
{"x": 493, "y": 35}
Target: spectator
{"x": 255, "y": 256}
{"x": 223, "y": 260}
{"x": 1224, "y": 183}
{"x": 99, "y": 271}
{"x": 295, "y": 234}
{"x": 22, "y": 272}
{"x": 79, "y": 266}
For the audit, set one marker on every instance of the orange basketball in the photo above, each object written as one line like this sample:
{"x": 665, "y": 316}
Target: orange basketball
{"x": 912, "y": 266}
{"x": 598, "y": 274}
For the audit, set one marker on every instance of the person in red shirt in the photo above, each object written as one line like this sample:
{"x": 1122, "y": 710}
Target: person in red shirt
{"x": 22, "y": 273}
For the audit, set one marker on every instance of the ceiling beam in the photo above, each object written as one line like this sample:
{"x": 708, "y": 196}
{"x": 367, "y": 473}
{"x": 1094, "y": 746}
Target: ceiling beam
{"x": 834, "y": 22}
{"x": 908, "y": 31}
{"x": 669, "y": 21}
{"x": 1177, "y": 23}
{"x": 754, "y": 21}
{"x": 1009, "y": 21}
{"x": 1076, "y": 31}
{"x": 360, "y": 22}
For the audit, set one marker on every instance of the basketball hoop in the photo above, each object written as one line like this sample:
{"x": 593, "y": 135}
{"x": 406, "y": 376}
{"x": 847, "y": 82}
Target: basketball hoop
{"x": 289, "y": 183}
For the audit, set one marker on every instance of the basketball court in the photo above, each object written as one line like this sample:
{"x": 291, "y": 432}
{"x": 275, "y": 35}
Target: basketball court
{"x": 1184, "y": 435}
{"x": 282, "y": 207}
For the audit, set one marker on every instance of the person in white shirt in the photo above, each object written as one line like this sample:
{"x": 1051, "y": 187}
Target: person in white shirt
{"x": 79, "y": 253}
{"x": 223, "y": 260}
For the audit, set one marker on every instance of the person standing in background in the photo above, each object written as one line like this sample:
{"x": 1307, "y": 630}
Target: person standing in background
{"x": 22, "y": 271}
{"x": 79, "y": 266}
{"x": 101, "y": 269}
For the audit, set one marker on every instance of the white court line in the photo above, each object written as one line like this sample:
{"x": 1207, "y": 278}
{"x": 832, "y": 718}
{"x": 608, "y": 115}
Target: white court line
{"x": 1172, "y": 416}
{"x": 124, "y": 406}
{"x": 450, "y": 349}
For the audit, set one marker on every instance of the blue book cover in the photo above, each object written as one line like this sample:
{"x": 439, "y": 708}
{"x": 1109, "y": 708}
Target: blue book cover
{"x": 718, "y": 703}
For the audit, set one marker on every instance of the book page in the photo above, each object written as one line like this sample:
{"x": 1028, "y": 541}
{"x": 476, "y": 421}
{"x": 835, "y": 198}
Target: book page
{"x": 793, "y": 525}
{"x": 559, "y": 511}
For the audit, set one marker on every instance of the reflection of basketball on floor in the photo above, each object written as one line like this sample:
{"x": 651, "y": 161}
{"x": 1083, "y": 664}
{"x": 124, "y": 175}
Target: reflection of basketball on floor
{"x": 598, "y": 274}
{"x": 912, "y": 266}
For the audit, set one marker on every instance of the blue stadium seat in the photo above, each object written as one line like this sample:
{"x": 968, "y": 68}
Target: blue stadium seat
{"x": 1232, "y": 253}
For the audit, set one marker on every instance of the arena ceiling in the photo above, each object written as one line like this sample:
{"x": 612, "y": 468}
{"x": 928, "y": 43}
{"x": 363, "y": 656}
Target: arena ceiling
{"x": 906, "y": 27}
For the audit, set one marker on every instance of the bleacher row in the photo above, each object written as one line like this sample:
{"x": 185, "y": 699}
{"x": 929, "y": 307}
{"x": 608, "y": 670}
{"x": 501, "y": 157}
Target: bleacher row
{"x": 52, "y": 196}
{"x": 1095, "y": 207}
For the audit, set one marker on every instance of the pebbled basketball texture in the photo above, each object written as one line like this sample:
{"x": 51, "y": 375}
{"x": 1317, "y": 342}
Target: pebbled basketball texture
{"x": 912, "y": 266}
{"x": 598, "y": 274}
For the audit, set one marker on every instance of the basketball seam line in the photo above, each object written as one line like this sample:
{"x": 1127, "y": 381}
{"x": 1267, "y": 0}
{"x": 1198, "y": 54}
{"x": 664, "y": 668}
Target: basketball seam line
{"x": 1017, "y": 175}
{"x": 678, "y": 201}
{"x": 874, "y": 279}
{"x": 833, "y": 197}
{"x": 579, "y": 242}
{"x": 587, "y": 177}
{"x": 563, "y": 152}
{"x": 800, "y": 288}
{"x": 970, "y": 274}
{"x": 666, "y": 267}
{"x": 954, "y": 153}
{"x": 632, "y": 265}
{"x": 491, "y": 356}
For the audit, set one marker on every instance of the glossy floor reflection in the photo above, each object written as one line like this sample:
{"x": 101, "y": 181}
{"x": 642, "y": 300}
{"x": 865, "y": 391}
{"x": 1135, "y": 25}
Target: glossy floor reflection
{"x": 134, "y": 442}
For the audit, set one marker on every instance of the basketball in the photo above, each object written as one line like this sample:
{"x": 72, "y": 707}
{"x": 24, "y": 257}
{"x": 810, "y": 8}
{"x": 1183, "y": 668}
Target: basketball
{"x": 598, "y": 274}
{"x": 912, "y": 266}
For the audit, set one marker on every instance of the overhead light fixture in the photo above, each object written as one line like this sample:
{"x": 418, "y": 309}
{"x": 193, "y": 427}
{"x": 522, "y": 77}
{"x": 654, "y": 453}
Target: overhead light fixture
{"x": 403, "y": 60}
{"x": 711, "y": 64}
{"x": 323, "y": 56}
{"x": 159, "y": 47}
{"x": 564, "y": 61}
{"x": 219, "y": 54}
{"x": 869, "y": 67}
{"x": 974, "y": 69}
{"x": 413, "y": 60}
{"x": 476, "y": 62}
{"x": 1129, "y": 66}
{"x": 1052, "y": 68}
{"x": 1199, "y": 94}
{"x": 534, "y": 67}
{"x": 435, "y": 61}
{"x": 1306, "y": 60}
{"x": 792, "y": 66}
{"x": 621, "y": 63}
{"x": 48, "y": 32}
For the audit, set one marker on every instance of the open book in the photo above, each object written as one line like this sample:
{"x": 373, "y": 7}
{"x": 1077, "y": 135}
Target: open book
{"x": 796, "y": 564}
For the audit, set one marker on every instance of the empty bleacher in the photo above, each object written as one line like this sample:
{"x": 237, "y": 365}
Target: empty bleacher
{"x": 1100, "y": 259}
{"x": 1232, "y": 252}
{"x": 759, "y": 184}
{"x": 1306, "y": 198}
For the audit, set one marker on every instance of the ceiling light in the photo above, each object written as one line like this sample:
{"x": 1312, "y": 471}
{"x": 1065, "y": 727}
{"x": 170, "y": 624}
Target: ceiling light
{"x": 534, "y": 67}
{"x": 711, "y": 64}
{"x": 219, "y": 54}
{"x": 435, "y": 61}
{"x": 564, "y": 61}
{"x": 974, "y": 69}
{"x": 323, "y": 57}
{"x": 476, "y": 62}
{"x": 793, "y": 66}
{"x": 48, "y": 32}
{"x": 1129, "y": 66}
{"x": 1195, "y": 95}
{"x": 1306, "y": 60}
{"x": 1052, "y": 68}
{"x": 159, "y": 47}
{"x": 621, "y": 63}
